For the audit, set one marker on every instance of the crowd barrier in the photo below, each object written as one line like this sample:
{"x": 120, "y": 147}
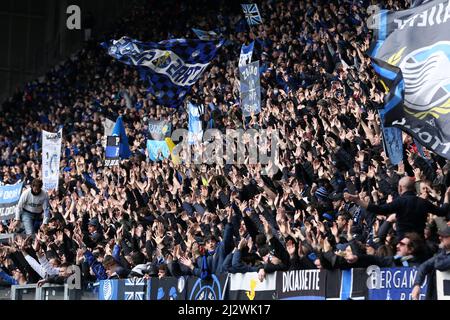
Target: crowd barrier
{"x": 50, "y": 292}
{"x": 356, "y": 284}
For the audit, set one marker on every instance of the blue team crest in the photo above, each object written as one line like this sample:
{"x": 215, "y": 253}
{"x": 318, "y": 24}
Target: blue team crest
{"x": 163, "y": 61}
{"x": 108, "y": 290}
{"x": 427, "y": 80}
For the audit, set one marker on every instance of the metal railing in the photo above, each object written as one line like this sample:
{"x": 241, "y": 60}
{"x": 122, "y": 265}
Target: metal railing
{"x": 48, "y": 292}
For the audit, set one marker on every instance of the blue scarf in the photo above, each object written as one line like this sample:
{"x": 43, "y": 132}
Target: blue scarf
{"x": 205, "y": 274}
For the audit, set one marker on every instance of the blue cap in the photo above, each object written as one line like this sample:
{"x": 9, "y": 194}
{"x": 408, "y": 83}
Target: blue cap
{"x": 312, "y": 256}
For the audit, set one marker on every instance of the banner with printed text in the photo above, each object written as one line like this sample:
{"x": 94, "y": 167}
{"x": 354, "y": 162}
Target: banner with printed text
{"x": 250, "y": 89}
{"x": 9, "y": 197}
{"x": 396, "y": 284}
{"x": 51, "y": 155}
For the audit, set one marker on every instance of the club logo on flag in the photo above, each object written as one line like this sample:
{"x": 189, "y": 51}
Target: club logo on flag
{"x": 170, "y": 67}
{"x": 427, "y": 84}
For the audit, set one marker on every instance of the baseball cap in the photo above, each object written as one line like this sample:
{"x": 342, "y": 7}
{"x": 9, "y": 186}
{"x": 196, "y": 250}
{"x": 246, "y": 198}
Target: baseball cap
{"x": 444, "y": 232}
{"x": 94, "y": 222}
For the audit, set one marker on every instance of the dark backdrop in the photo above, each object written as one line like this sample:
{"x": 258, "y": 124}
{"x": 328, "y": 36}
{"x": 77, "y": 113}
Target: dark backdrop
{"x": 34, "y": 36}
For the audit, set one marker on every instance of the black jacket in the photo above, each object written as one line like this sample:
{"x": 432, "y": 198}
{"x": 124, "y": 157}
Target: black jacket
{"x": 411, "y": 212}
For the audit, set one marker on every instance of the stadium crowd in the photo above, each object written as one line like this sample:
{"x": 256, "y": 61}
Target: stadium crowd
{"x": 335, "y": 202}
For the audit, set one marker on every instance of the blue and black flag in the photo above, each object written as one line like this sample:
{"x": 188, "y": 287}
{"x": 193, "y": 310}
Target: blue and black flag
{"x": 412, "y": 56}
{"x": 170, "y": 67}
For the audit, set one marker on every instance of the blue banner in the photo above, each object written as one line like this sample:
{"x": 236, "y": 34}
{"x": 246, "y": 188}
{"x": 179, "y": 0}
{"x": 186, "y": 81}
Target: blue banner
{"x": 246, "y": 54}
{"x": 397, "y": 284}
{"x": 393, "y": 141}
{"x": 250, "y": 89}
{"x": 156, "y": 148}
{"x": 195, "y": 124}
{"x": 212, "y": 289}
{"x": 112, "y": 151}
{"x": 170, "y": 67}
{"x": 119, "y": 131}
{"x": 9, "y": 196}
{"x": 127, "y": 289}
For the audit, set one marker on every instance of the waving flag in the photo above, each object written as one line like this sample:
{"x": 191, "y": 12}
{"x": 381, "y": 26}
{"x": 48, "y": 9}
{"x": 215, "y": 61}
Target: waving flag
{"x": 251, "y": 13}
{"x": 119, "y": 131}
{"x": 157, "y": 150}
{"x": 246, "y": 54}
{"x": 205, "y": 35}
{"x": 170, "y": 67}
{"x": 413, "y": 59}
{"x": 195, "y": 124}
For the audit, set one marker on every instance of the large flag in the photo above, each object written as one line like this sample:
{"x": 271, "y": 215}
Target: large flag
{"x": 250, "y": 89}
{"x": 246, "y": 54}
{"x": 119, "y": 131}
{"x": 170, "y": 67}
{"x": 251, "y": 13}
{"x": 195, "y": 134}
{"x": 51, "y": 155}
{"x": 9, "y": 197}
{"x": 414, "y": 46}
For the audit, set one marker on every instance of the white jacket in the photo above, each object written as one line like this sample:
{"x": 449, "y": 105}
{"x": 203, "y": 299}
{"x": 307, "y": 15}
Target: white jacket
{"x": 35, "y": 204}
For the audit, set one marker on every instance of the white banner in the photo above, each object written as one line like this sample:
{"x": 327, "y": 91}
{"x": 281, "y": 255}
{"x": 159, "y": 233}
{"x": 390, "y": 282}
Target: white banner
{"x": 51, "y": 155}
{"x": 443, "y": 285}
{"x": 108, "y": 126}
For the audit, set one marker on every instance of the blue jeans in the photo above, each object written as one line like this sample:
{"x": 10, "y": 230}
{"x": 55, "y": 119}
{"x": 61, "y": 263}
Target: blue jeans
{"x": 31, "y": 222}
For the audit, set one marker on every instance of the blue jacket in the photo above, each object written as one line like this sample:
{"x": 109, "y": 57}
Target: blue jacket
{"x": 7, "y": 278}
{"x": 215, "y": 261}
{"x": 97, "y": 267}
{"x": 440, "y": 261}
